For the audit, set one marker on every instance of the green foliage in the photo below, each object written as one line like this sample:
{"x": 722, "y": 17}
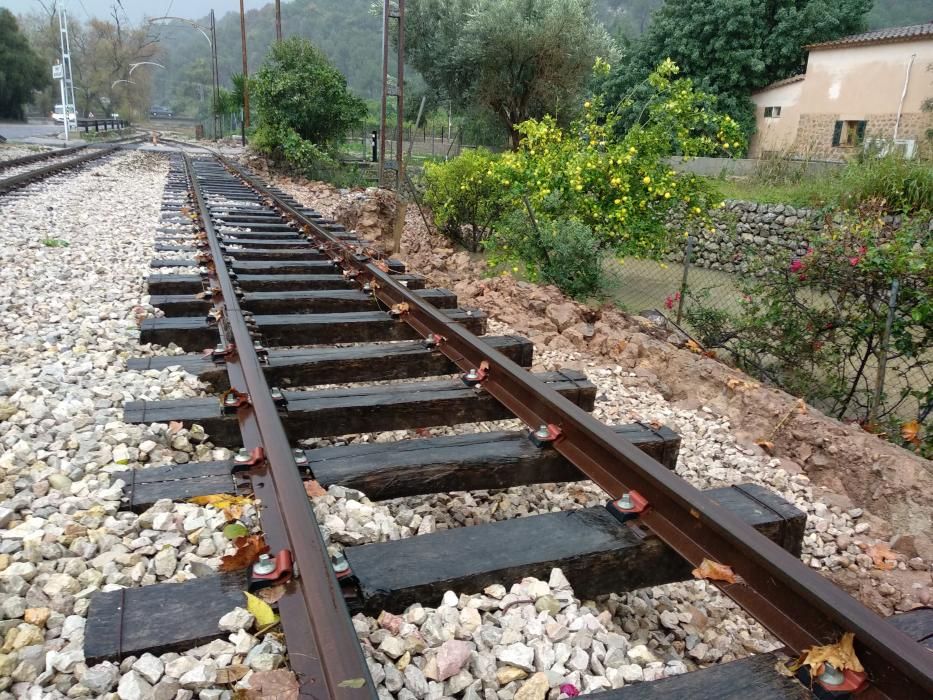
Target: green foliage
{"x": 297, "y": 88}
{"x": 895, "y": 184}
{"x": 21, "y": 69}
{"x": 517, "y": 59}
{"x": 815, "y": 325}
{"x": 902, "y": 185}
{"x": 54, "y": 243}
{"x": 732, "y": 47}
{"x": 562, "y": 252}
{"x": 286, "y": 147}
{"x": 465, "y": 196}
{"x": 622, "y": 187}
{"x": 591, "y": 191}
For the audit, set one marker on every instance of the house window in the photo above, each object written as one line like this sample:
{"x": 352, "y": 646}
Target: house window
{"x": 848, "y": 134}
{"x": 772, "y": 112}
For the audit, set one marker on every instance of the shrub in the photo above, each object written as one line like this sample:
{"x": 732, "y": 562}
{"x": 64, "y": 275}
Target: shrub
{"x": 815, "y": 325}
{"x": 562, "y": 252}
{"x": 465, "y": 196}
{"x": 302, "y": 106}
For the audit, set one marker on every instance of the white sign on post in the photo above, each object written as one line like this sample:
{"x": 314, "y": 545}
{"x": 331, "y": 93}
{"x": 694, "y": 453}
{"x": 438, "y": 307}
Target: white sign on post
{"x": 58, "y": 71}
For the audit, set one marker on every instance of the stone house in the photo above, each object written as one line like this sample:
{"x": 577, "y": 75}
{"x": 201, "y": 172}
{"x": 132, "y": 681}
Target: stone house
{"x": 865, "y": 89}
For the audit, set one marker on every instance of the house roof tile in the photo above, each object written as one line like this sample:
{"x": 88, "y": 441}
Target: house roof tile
{"x": 881, "y": 36}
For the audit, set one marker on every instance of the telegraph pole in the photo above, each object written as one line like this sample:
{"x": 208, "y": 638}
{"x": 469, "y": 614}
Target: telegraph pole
{"x": 216, "y": 71}
{"x": 245, "y": 124}
{"x": 278, "y": 20}
{"x": 398, "y": 91}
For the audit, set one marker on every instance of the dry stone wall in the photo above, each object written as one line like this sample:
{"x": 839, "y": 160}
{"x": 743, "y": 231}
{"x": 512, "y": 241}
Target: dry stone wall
{"x": 744, "y": 232}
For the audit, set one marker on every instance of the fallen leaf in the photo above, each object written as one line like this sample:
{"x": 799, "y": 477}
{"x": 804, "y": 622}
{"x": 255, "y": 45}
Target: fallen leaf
{"x": 221, "y": 501}
{"x": 271, "y": 594}
{"x": 234, "y": 512}
{"x": 235, "y": 530}
{"x": 841, "y": 655}
{"x": 352, "y": 683}
{"x": 248, "y": 550}
{"x": 693, "y": 346}
{"x": 766, "y": 445}
{"x": 422, "y": 432}
{"x": 261, "y": 610}
{"x": 280, "y": 684}
{"x": 174, "y": 426}
{"x": 801, "y": 406}
{"x": 714, "y": 571}
{"x": 882, "y": 556}
{"x": 231, "y": 674}
{"x": 314, "y": 489}
{"x": 911, "y": 432}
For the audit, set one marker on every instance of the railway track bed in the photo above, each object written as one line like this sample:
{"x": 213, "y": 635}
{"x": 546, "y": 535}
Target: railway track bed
{"x": 306, "y": 354}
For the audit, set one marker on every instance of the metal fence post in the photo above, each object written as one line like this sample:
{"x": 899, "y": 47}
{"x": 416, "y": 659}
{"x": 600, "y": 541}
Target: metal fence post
{"x": 883, "y": 354}
{"x": 688, "y": 255}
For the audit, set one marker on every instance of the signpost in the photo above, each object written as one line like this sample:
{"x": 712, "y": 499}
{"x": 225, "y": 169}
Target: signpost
{"x": 58, "y": 73}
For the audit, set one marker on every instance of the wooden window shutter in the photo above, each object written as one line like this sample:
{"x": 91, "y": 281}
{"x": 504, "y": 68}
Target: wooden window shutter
{"x": 860, "y": 132}
{"x": 837, "y": 133}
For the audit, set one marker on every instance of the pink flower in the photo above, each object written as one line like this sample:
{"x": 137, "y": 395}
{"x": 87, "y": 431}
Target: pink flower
{"x": 796, "y": 265}
{"x": 671, "y": 300}
{"x": 855, "y": 260}
{"x": 569, "y": 689}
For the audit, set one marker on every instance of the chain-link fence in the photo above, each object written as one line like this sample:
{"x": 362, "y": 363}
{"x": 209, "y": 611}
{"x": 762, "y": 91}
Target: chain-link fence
{"x": 687, "y": 292}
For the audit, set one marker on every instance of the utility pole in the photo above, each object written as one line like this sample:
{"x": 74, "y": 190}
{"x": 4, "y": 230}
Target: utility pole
{"x": 216, "y": 72}
{"x": 245, "y": 124}
{"x": 398, "y": 91}
{"x": 278, "y": 20}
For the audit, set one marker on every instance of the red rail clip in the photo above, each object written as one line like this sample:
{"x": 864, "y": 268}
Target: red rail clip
{"x": 232, "y": 400}
{"x": 246, "y": 459}
{"x": 475, "y": 376}
{"x": 628, "y": 507}
{"x": 544, "y": 435}
{"x": 271, "y": 571}
{"x": 220, "y": 353}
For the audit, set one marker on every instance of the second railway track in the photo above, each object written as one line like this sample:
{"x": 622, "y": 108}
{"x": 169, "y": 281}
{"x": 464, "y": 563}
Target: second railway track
{"x": 270, "y": 295}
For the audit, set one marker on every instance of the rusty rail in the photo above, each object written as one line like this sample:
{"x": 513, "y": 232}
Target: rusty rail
{"x": 323, "y": 648}
{"x": 800, "y": 607}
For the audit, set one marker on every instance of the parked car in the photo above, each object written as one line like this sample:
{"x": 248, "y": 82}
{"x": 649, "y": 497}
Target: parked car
{"x": 58, "y": 114}
{"x": 157, "y": 112}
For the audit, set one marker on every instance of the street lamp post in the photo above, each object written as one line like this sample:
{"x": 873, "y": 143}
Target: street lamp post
{"x": 210, "y": 34}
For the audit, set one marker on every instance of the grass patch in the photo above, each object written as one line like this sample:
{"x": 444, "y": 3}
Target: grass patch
{"x": 904, "y": 186}
{"x": 55, "y": 243}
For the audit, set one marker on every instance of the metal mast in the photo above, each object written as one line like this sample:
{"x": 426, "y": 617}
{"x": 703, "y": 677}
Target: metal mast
{"x": 68, "y": 85}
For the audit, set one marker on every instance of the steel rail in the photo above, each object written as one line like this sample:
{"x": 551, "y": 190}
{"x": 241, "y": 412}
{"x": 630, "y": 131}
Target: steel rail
{"x": 323, "y": 648}
{"x": 36, "y": 157}
{"x": 41, "y": 173}
{"x": 800, "y": 607}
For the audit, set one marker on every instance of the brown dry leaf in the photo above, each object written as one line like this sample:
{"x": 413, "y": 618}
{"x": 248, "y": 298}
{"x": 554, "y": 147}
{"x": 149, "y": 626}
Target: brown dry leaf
{"x": 280, "y": 684}
{"x": 314, "y": 489}
{"x": 693, "y": 346}
{"x": 882, "y": 556}
{"x": 231, "y": 674}
{"x": 801, "y": 406}
{"x": 841, "y": 655}
{"x": 911, "y": 432}
{"x": 248, "y": 550}
{"x": 272, "y": 594}
{"x": 766, "y": 445}
{"x": 233, "y": 512}
{"x": 714, "y": 571}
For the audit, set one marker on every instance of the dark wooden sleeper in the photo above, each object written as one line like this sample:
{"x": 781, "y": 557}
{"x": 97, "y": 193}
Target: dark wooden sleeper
{"x": 360, "y": 408}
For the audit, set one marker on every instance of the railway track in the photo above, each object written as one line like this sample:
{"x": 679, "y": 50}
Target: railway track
{"x": 280, "y": 297}
{"x": 18, "y": 172}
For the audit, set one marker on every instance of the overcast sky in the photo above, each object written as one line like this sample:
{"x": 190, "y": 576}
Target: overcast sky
{"x": 137, "y": 9}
